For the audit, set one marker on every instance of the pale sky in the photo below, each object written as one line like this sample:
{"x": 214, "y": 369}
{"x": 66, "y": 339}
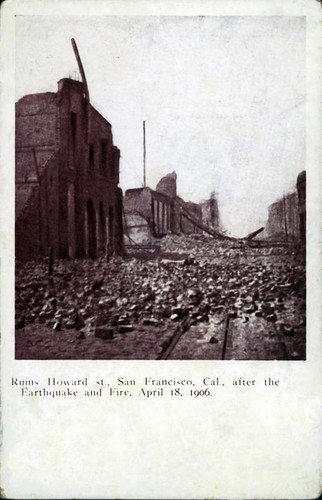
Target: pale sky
{"x": 223, "y": 99}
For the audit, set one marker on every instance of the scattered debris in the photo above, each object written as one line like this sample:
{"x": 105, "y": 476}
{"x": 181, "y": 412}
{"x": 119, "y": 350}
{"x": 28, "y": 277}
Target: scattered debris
{"x": 193, "y": 278}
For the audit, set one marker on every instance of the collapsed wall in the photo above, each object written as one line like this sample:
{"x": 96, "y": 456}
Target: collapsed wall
{"x": 155, "y": 213}
{"x": 282, "y": 220}
{"x": 67, "y": 175}
{"x": 301, "y": 193}
{"x": 147, "y": 214}
{"x": 210, "y": 213}
{"x": 168, "y": 185}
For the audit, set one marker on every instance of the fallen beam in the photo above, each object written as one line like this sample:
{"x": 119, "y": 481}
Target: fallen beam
{"x": 204, "y": 228}
{"x": 254, "y": 233}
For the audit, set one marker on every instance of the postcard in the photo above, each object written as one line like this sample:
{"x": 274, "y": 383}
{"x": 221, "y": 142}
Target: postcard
{"x": 160, "y": 261}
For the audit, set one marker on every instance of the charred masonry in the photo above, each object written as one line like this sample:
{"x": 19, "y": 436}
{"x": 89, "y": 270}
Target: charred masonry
{"x": 287, "y": 216}
{"x": 158, "y": 212}
{"x": 67, "y": 174}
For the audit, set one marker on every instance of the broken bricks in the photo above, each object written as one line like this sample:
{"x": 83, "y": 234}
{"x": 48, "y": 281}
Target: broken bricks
{"x": 129, "y": 293}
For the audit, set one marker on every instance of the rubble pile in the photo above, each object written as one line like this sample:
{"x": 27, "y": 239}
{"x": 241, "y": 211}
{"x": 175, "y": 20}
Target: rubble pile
{"x": 192, "y": 279}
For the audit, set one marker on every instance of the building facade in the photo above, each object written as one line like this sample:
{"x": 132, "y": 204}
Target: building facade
{"x": 155, "y": 213}
{"x": 283, "y": 220}
{"x": 210, "y": 213}
{"x": 287, "y": 216}
{"x": 301, "y": 193}
{"x": 67, "y": 175}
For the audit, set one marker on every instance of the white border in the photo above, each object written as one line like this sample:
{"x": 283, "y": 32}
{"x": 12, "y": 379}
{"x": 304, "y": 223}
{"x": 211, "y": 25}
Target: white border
{"x": 260, "y": 444}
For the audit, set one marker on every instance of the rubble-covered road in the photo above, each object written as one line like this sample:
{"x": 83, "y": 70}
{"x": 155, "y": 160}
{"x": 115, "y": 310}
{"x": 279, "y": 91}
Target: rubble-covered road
{"x": 188, "y": 297}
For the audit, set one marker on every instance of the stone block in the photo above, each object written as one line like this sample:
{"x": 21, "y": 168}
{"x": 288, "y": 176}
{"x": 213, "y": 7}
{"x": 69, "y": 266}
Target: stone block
{"x": 104, "y": 332}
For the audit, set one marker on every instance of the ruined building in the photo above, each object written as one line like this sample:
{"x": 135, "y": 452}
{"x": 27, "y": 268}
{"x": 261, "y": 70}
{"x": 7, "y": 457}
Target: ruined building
{"x": 210, "y": 213}
{"x": 282, "y": 220}
{"x": 67, "y": 175}
{"x": 286, "y": 217}
{"x": 301, "y": 193}
{"x": 154, "y": 213}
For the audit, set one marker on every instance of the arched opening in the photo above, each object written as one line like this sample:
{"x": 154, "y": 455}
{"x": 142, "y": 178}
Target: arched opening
{"x": 102, "y": 228}
{"x": 91, "y": 218}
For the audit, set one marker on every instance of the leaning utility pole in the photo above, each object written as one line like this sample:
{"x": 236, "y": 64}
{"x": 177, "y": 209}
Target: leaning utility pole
{"x": 144, "y": 156}
{"x": 86, "y": 91}
{"x": 81, "y": 69}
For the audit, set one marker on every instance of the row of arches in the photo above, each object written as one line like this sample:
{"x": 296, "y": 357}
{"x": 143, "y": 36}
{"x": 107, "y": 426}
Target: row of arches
{"x": 90, "y": 229}
{"x": 161, "y": 217}
{"x": 99, "y": 229}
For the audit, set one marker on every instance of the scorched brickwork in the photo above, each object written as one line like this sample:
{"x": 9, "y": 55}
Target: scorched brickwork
{"x": 67, "y": 175}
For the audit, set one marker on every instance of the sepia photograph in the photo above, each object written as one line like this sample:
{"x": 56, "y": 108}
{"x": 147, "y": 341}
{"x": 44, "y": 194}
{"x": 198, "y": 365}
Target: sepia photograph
{"x": 160, "y": 188}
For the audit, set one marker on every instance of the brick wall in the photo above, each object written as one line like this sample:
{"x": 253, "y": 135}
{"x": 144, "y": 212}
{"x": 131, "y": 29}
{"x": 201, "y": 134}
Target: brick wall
{"x": 65, "y": 147}
{"x": 147, "y": 213}
{"x": 168, "y": 185}
{"x": 283, "y": 219}
{"x": 210, "y": 213}
{"x": 157, "y": 213}
{"x": 301, "y": 192}
{"x": 194, "y": 212}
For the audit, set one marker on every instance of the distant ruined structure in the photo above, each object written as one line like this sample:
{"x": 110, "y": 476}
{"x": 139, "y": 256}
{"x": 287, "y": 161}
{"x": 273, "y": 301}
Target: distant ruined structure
{"x": 155, "y": 213}
{"x": 301, "y": 193}
{"x": 210, "y": 213}
{"x": 287, "y": 216}
{"x": 168, "y": 185}
{"x": 67, "y": 175}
